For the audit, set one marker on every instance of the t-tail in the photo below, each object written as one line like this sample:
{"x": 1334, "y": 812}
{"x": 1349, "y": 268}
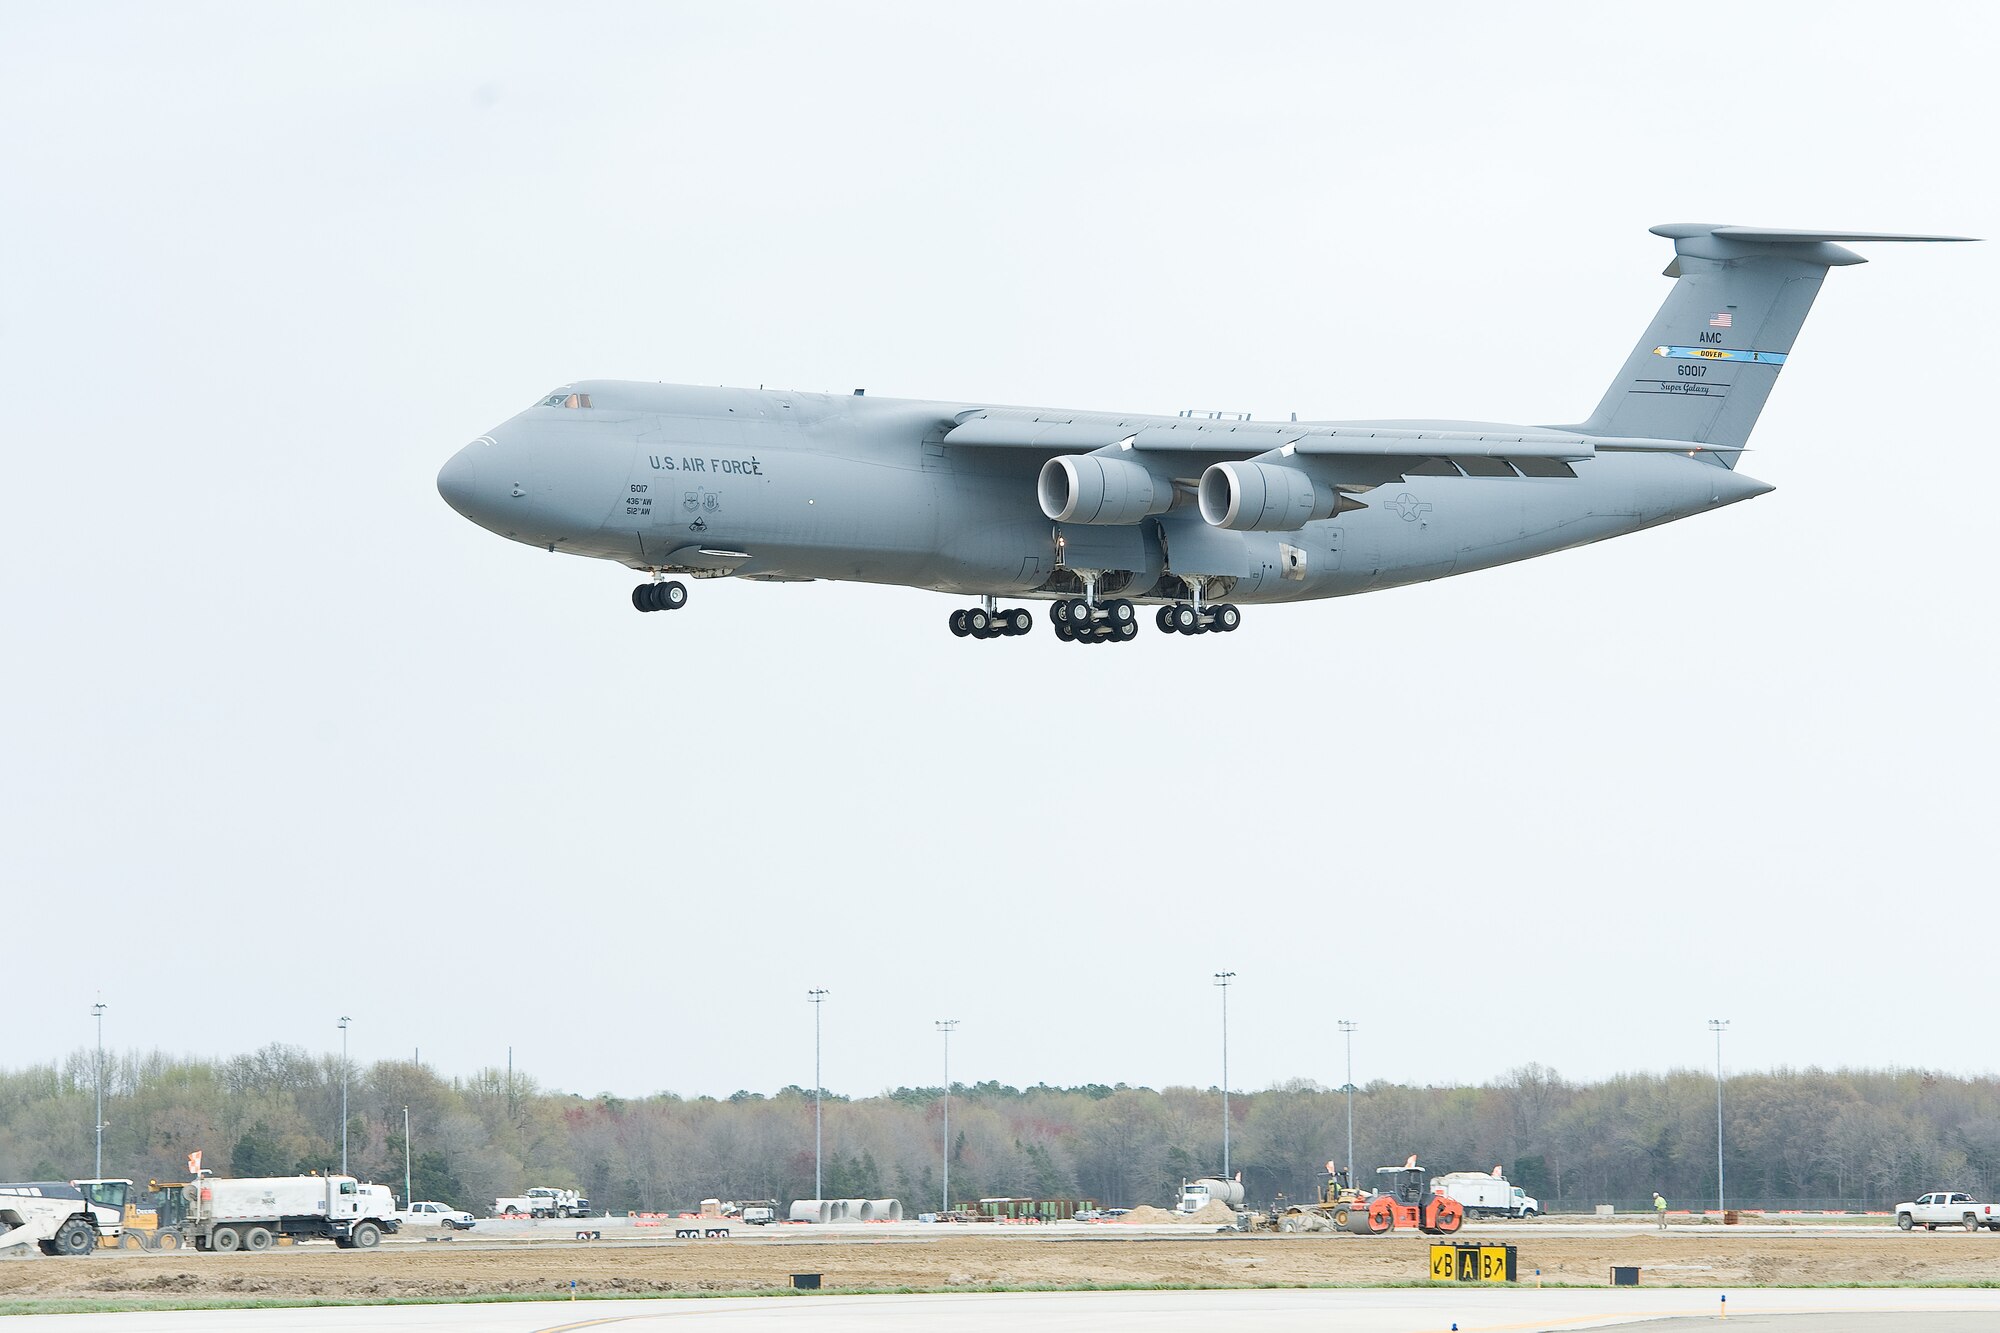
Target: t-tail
{"x": 1711, "y": 355}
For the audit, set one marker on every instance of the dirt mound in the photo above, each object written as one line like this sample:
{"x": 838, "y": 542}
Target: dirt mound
{"x": 1147, "y": 1215}
{"x": 1214, "y": 1213}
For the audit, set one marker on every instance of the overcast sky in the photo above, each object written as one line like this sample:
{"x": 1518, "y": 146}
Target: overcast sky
{"x": 285, "y": 738}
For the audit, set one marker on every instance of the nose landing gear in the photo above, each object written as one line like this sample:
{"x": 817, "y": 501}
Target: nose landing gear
{"x": 669, "y": 596}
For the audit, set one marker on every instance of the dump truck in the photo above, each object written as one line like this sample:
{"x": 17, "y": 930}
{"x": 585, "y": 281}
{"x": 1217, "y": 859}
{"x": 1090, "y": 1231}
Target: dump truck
{"x": 63, "y": 1216}
{"x": 1491, "y": 1195}
{"x": 252, "y": 1213}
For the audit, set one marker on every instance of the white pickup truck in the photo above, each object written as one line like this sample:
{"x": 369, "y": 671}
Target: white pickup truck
{"x": 433, "y": 1216}
{"x": 1949, "y": 1210}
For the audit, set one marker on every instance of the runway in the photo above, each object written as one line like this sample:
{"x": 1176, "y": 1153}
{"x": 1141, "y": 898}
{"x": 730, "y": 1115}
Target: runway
{"x": 1404, "y": 1310}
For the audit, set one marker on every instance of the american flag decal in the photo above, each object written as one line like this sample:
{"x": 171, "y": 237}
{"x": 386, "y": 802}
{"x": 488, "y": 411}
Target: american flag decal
{"x": 1721, "y": 319}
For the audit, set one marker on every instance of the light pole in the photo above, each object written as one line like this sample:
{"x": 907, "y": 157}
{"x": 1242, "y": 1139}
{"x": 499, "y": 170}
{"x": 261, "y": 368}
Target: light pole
{"x": 408, "y": 1202}
{"x": 947, "y": 1026}
{"x": 344, "y": 1020}
{"x": 1223, "y": 979}
{"x": 1347, "y": 1027}
{"x": 1716, "y": 1025}
{"x": 818, "y": 998}
{"x": 97, "y": 1010}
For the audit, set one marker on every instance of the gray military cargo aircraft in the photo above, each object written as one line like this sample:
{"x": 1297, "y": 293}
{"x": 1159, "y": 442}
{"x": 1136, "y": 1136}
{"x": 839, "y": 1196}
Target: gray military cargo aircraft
{"x": 1098, "y": 512}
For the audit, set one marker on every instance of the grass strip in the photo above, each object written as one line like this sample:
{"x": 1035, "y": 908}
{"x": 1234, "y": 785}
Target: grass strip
{"x": 118, "y": 1305}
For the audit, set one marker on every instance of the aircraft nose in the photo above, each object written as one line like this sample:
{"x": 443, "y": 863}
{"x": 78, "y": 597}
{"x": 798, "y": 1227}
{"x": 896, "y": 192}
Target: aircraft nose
{"x": 458, "y": 481}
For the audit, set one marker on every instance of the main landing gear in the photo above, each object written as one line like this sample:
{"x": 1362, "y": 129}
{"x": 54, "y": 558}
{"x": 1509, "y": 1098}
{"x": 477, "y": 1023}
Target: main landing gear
{"x": 1187, "y": 618}
{"x": 987, "y": 621}
{"x": 669, "y": 596}
{"x": 1078, "y": 620}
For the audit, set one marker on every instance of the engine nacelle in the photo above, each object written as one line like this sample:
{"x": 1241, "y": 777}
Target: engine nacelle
{"x": 1259, "y": 497}
{"x": 1089, "y": 488}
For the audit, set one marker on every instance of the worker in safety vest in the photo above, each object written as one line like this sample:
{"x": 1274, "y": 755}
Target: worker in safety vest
{"x": 1660, "y": 1209}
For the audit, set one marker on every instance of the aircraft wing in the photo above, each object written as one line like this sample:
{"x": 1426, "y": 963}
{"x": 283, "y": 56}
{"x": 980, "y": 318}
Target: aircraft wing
{"x": 1369, "y": 454}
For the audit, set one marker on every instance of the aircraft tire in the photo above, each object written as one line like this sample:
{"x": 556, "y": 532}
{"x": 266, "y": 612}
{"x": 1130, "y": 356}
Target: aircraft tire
{"x": 642, "y": 597}
{"x": 1077, "y": 612}
{"x": 1186, "y": 619}
{"x": 1226, "y": 618}
{"x": 1127, "y": 630}
{"x": 977, "y": 622}
{"x": 1058, "y": 611}
{"x": 958, "y": 624}
{"x": 1121, "y": 612}
{"x": 1064, "y": 632}
{"x": 1020, "y": 620}
{"x": 1164, "y": 618}
{"x": 673, "y": 595}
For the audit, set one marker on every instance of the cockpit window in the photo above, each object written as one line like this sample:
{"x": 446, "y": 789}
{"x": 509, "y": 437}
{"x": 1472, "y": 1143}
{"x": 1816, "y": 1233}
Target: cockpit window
{"x": 560, "y": 399}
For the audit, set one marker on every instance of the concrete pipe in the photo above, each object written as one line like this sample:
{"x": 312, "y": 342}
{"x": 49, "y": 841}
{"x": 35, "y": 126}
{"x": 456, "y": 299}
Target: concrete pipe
{"x": 812, "y": 1210}
{"x": 882, "y": 1210}
{"x": 850, "y": 1210}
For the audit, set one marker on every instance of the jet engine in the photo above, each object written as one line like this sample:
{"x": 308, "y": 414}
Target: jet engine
{"x": 1259, "y": 497}
{"x": 1088, "y": 488}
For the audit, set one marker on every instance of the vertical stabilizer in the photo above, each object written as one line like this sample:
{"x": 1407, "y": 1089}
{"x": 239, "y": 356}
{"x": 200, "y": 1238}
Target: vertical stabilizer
{"x": 1711, "y": 355}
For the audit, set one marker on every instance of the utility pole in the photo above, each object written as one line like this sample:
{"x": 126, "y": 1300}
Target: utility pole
{"x": 408, "y": 1202}
{"x": 1716, "y": 1025}
{"x": 947, "y": 1026}
{"x": 97, "y": 1010}
{"x": 1223, "y": 979}
{"x": 1347, "y": 1027}
{"x": 818, "y": 997}
{"x": 344, "y": 1021}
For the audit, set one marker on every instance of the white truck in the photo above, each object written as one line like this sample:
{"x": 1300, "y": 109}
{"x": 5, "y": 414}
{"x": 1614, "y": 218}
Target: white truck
{"x": 252, "y": 1213}
{"x": 1947, "y": 1209}
{"x": 543, "y": 1201}
{"x": 1198, "y": 1194}
{"x": 1487, "y": 1195}
{"x": 62, "y": 1217}
{"x": 429, "y": 1215}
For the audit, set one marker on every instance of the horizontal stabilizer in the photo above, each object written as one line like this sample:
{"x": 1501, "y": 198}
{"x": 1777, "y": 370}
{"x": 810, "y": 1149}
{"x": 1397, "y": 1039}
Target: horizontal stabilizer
{"x": 1776, "y": 236}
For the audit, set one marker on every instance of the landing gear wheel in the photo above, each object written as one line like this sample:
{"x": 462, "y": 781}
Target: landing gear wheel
{"x": 1077, "y": 612}
{"x": 642, "y": 597}
{"x": 1121, "y": 612}
{"x": 1186, "y": 620}
{"x": 1225, "y": 618}
{"x": 958, "y": 624}
{"x": 1059, "y": 610}
{"x": 1128, "y": 630}
{"x": 673, "y": 595}
{"x": 1065, "y": 632}
{"x": 1020, "y": 620}
{"x": 977, "y": 622}
{"x": 1164, "y": 618}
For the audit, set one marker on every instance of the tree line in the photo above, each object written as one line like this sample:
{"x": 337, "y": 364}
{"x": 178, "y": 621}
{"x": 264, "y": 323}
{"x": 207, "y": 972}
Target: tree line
{"x": 1809, "y": 1138}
